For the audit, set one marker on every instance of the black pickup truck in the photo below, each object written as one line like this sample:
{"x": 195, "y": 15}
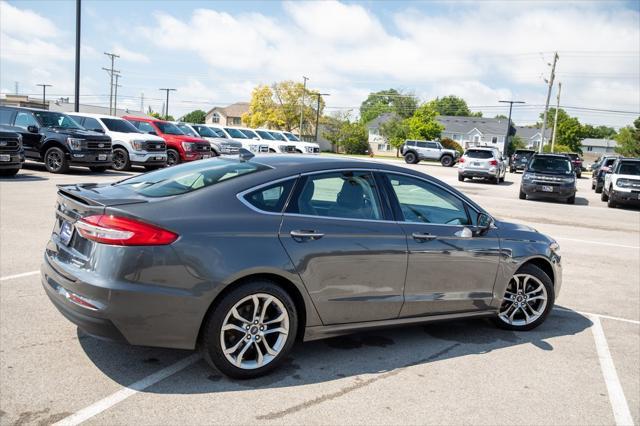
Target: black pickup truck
{"x": 11, "y": 152}
{"x": 57, "y": 140}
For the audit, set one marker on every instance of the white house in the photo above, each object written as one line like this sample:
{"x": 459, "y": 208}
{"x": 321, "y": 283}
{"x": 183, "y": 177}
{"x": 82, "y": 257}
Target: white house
{"x": 230, "y": 115}
{"x": 475, "y": 131}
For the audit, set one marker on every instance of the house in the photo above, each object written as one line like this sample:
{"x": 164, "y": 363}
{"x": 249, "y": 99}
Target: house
{"x": 475, "y": 131}
{"x": 230, "y": 115}
{"x": 532, "y": 135}
{"x": 377, "y": 142}
{"x": 22, "y": 101}
{"x": 598, "y": 146}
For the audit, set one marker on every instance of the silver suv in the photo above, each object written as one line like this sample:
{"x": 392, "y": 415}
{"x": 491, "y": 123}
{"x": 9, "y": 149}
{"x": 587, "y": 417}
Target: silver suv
{"x": 414, "y": 151}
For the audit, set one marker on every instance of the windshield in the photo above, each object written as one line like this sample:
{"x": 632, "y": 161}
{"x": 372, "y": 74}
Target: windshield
{"x": 56, "y": 119}
{"x": 519, "y": 154}
{"x": 122, "y": 126}
{"x": 168, "y": 128}
{"x": 186, "y": 130}
{"x": 629, "y": 168}
{"x": 553, "y": 165}
{"x": 479, "y": 153}
{"x": 291, "y": 137}
{"x": 235, "y": 133}
{"x": 250, "y": 134}
{"x": 278, "y": 136}
{"x": 206, "y": 132}
{"x": 219, "y": 133}
{"x": 189, "y": 177}
{"x": 266, "y": 135}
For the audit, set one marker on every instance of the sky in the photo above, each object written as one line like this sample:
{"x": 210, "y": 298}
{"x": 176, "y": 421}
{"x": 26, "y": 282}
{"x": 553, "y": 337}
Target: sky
{"x": 215, "y": 53}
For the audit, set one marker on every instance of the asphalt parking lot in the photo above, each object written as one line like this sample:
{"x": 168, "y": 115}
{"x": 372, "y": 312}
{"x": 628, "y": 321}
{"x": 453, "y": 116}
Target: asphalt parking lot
{"x": 579, "y": 367}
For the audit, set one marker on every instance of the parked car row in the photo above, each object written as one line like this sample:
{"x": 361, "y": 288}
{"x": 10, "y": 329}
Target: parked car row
{"x": 99, "y": 141}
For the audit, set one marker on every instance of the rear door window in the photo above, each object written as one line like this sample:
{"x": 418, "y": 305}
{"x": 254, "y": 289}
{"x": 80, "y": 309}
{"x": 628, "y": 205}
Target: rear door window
{"x": 271, "y": 198}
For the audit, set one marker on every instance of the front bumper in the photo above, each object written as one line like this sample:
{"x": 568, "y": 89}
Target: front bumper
{"x": 15, "y": 160}
{"x": 148, "y": 158}
{"x": 625, "y": 197}
{"x": 91, "y": 158}
{"x": 558, "y": 191}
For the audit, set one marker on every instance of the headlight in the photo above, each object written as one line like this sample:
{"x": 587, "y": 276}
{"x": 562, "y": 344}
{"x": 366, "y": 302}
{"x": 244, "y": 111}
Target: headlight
{"x": 283, "y": 148}
{"x": 528, "y": 176}
{"x": 555, "y": 247}
{"x": 137, "y": 145}
{"x": 624, "y": 183}
{"x": 254, "y": 148}
{"x": 569, "y": 180}
{"x": 75, "y": 144}
{"x": 188, "y": 146}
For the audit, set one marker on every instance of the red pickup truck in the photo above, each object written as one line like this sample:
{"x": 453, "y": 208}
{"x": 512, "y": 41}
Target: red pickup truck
{"x": 180, "y": 147}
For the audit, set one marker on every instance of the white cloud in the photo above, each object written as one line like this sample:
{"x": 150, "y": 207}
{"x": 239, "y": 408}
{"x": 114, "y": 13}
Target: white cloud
{"x": 129, "y": 55}
{"x": 25, "y": 23}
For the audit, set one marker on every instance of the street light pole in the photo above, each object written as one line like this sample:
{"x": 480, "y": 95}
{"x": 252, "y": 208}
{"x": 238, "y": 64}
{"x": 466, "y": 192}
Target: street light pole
{"x": 76, "y": 100}
{"x": 506, "y": 139}
{"x": 318, "y": 113}
{"x": 44, "y": 94}
{"x": 304, "y": 91}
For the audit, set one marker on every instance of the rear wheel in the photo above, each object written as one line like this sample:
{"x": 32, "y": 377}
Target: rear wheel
{"x": 55, "y": 160}
{"x": 9, "y": 172}
{"x": 446, "y": 161}
{"x": 250, "y": 331}
{"x": 121, "y": 159}
{"x": 410, "y": 158}
{"x": 527, "y": 300}
{"x": 603, "y": 195}
{"x": 522, "y": 196}
{"x": 173, "y": 157}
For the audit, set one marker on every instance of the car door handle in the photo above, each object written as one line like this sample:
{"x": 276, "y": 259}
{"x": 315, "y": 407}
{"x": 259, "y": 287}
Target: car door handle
{"x": 306, "y": 235}
{"x": 423, "y": 236}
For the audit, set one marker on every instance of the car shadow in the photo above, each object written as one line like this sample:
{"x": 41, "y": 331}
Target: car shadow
{"x": 77, "y": 171}
{"x": 580, "y": 201}
{"x": 385, "y": 351}
{"x": 22, "y": 176}
{"x": 487, "y": 182}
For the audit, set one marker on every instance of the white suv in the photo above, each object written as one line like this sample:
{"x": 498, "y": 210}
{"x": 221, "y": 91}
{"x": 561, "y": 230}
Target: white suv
{"x": 248, "y": 143}
{"x": 274, "y": 144}
{"x": 622, "y": 183}
{"x": 130, "y": 146}
{"x": 302, "y": 147}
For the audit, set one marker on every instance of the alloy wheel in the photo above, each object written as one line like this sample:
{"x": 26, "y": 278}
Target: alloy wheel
{"x": 524, "y": 301}
{"x": 172, "y": 158}
{"x": 54, "y": 160}
{"x": 119, "y": 160}
{"x": 254, "y": 331}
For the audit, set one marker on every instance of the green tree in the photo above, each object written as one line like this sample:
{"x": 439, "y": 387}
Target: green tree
{"x": 390, "y": 100}
{"x": 351, "y": 136}
{"x": 160, "y": 116}
{"x": 516, "y": 142}
{"x": 600, "y": 132}
{"x": 451, "y": 144}
{"x": 423, "y": 123}
{"x": 501, "y": 117}
{"x": 557, "y": 148}
{"x": 278, "y": 106}
{"x": 453, "y": 105}
{"x": 569, "y": 130}
{"x": 628, "y": 139}
{"x": 396, "y": 131}
{"x": 197, "y": 117}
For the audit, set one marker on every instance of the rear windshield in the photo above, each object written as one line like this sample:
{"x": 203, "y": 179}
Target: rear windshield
{"x": 189, "y": 177}
{"x": 555, "y": 165}
{"x": 479, "y": 153}
{"x": 629, "y": 168}
{"x": 524, "y": 153}
{"x": 118, "y": 125}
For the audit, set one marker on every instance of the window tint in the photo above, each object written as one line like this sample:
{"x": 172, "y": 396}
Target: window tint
{"x": 278, "y": 136}
{"x": 144, "y": 126}
{"x": 629, "y": 168}
{"x": 556, "y": 165}
{"x": 421, "y": 144}
{"x": 186, "y": 130}
{"x": 351, "y": 195}
{"x": 168, "y": 128}
{"x": 423, "y": 202}
{"x": 118, "y": 125}
{"x": 5, "y": 116}
{"x": 25, "y": 119}
{"x": 91, "y": 123}
{"x": 478, "y": 153}
{"x": 432, "y": 145}
{"x": 271, "y": 198}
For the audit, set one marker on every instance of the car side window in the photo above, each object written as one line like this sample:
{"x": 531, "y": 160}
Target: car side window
{"x": 424, "y": 202}
{"x": 91, "y": 123}
{"x": 421, "y": 144}
{"x": 145, "y": 127}
{"x": 432, "y": 145}
{"x": 25, "y": 119}
{"x": 271, "y": 198}
{"x": 349, "y": 195}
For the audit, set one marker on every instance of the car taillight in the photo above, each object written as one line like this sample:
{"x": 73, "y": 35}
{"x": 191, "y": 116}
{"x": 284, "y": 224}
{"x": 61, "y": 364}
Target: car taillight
{"x": 493, "y": 162}
{"x": 122, "y": 231}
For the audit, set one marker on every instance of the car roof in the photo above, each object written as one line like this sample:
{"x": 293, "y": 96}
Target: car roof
{"x": 552, "y": 155}
{"x": 482, "y": 148}
{"x": 27, "y": 108}
{"x": 94, "y": 115}
{"x": 148, "y": 120}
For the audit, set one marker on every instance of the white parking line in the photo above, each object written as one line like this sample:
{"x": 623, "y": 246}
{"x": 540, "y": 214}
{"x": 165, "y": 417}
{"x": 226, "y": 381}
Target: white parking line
{"x": 598, "y": 243}
{"x": 24, "y": 274}
{"x": 617, "y": 399}
{"x": 119, "y": 396}
{"x": 591, "y": 314}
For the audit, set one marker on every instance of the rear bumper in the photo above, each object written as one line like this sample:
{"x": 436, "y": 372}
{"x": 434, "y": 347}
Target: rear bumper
{"x": 558, "y": 191}
{"x": 478, "y": 173}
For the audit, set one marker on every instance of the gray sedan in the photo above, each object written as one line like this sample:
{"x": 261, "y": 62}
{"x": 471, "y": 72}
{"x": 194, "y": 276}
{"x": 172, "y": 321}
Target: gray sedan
{"x": 241, "y": 257}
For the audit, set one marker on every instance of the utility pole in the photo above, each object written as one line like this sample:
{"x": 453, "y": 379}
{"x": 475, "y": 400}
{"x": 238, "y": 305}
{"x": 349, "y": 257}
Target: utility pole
{"x": 17, "y": 85}
{"x": 304, "y": 91}
{"x": 115, "y": 97}
{"x": 546, "y": 106}
{"x": 506, "y": 139}
{"x": 76, "y": 100}
{"x": 319, "y": 95}
{"x": 555, "y": 119}
{"x": 142, "y": 102}
{"x": 111, "y": 73}
{"x": 166, "y": 107}
{"x": 44, "y": 94}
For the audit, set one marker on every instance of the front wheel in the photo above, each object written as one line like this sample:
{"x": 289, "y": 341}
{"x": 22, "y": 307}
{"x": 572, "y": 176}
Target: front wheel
{"x": 55, "y": 160}
{"x": 121, "y": 160}
{"x": 446, "y": 161}
{"x": 610, "y": 202}
{"x": 522, "y": 195}
{"x": 460, "y": 178}
{"x": 527, "y": 300}
{"x": 604, "y": 196}
{"x": 173, "y": 157}
{"x": 571, "y": 200}
{"x": 251, "y": 330}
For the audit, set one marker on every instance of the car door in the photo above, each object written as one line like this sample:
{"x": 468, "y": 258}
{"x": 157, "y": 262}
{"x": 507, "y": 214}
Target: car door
{"x": 433, "y": 151}
{"x": 351, "y": 257}
{"x": 452, "y": 268}
{"x": 31, "y": 141}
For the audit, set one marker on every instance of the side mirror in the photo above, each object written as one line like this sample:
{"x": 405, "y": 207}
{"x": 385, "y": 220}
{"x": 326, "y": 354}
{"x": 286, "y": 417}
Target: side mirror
{"x": 484, "y": 222}
{"x": 152, "y": 132}
{"x": 98, "y": 130}
{"x": 32, "y": 129}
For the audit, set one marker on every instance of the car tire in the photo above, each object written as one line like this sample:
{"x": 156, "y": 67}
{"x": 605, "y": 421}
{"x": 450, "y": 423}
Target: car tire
{"x": 173, "y": 157}
{"x": 530, "y": 290}
{"x": 8, "y": 172}
{"x": 98, "y": 169}
{"x": 603, "y": 196}
{"x": 249, "y": 343}
{"x": 460, "y": 178}
{"x": 512, "y": 170}
{"x": 598, "y": 189}
{"x": 121, "y": 160}
{"x": 411, "y": 158}
{"x": 495, "y": 180}
{"x": 571, "y": 200}
{"x": 579, "y": 175}
{"x": 522, "y": 196}
{"x": 593, "y": 186}
{"x": 55, "y": 160}
{"x": 611, "y": 202}
{"x": 447, "y": 161}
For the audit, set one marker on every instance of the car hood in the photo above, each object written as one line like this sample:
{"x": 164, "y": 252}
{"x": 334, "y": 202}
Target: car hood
{"x": 184, "y": 138}
{"x": 79, "y": 133}
{"x": 134, "y": 136}
{"x": 517, "y": 231}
